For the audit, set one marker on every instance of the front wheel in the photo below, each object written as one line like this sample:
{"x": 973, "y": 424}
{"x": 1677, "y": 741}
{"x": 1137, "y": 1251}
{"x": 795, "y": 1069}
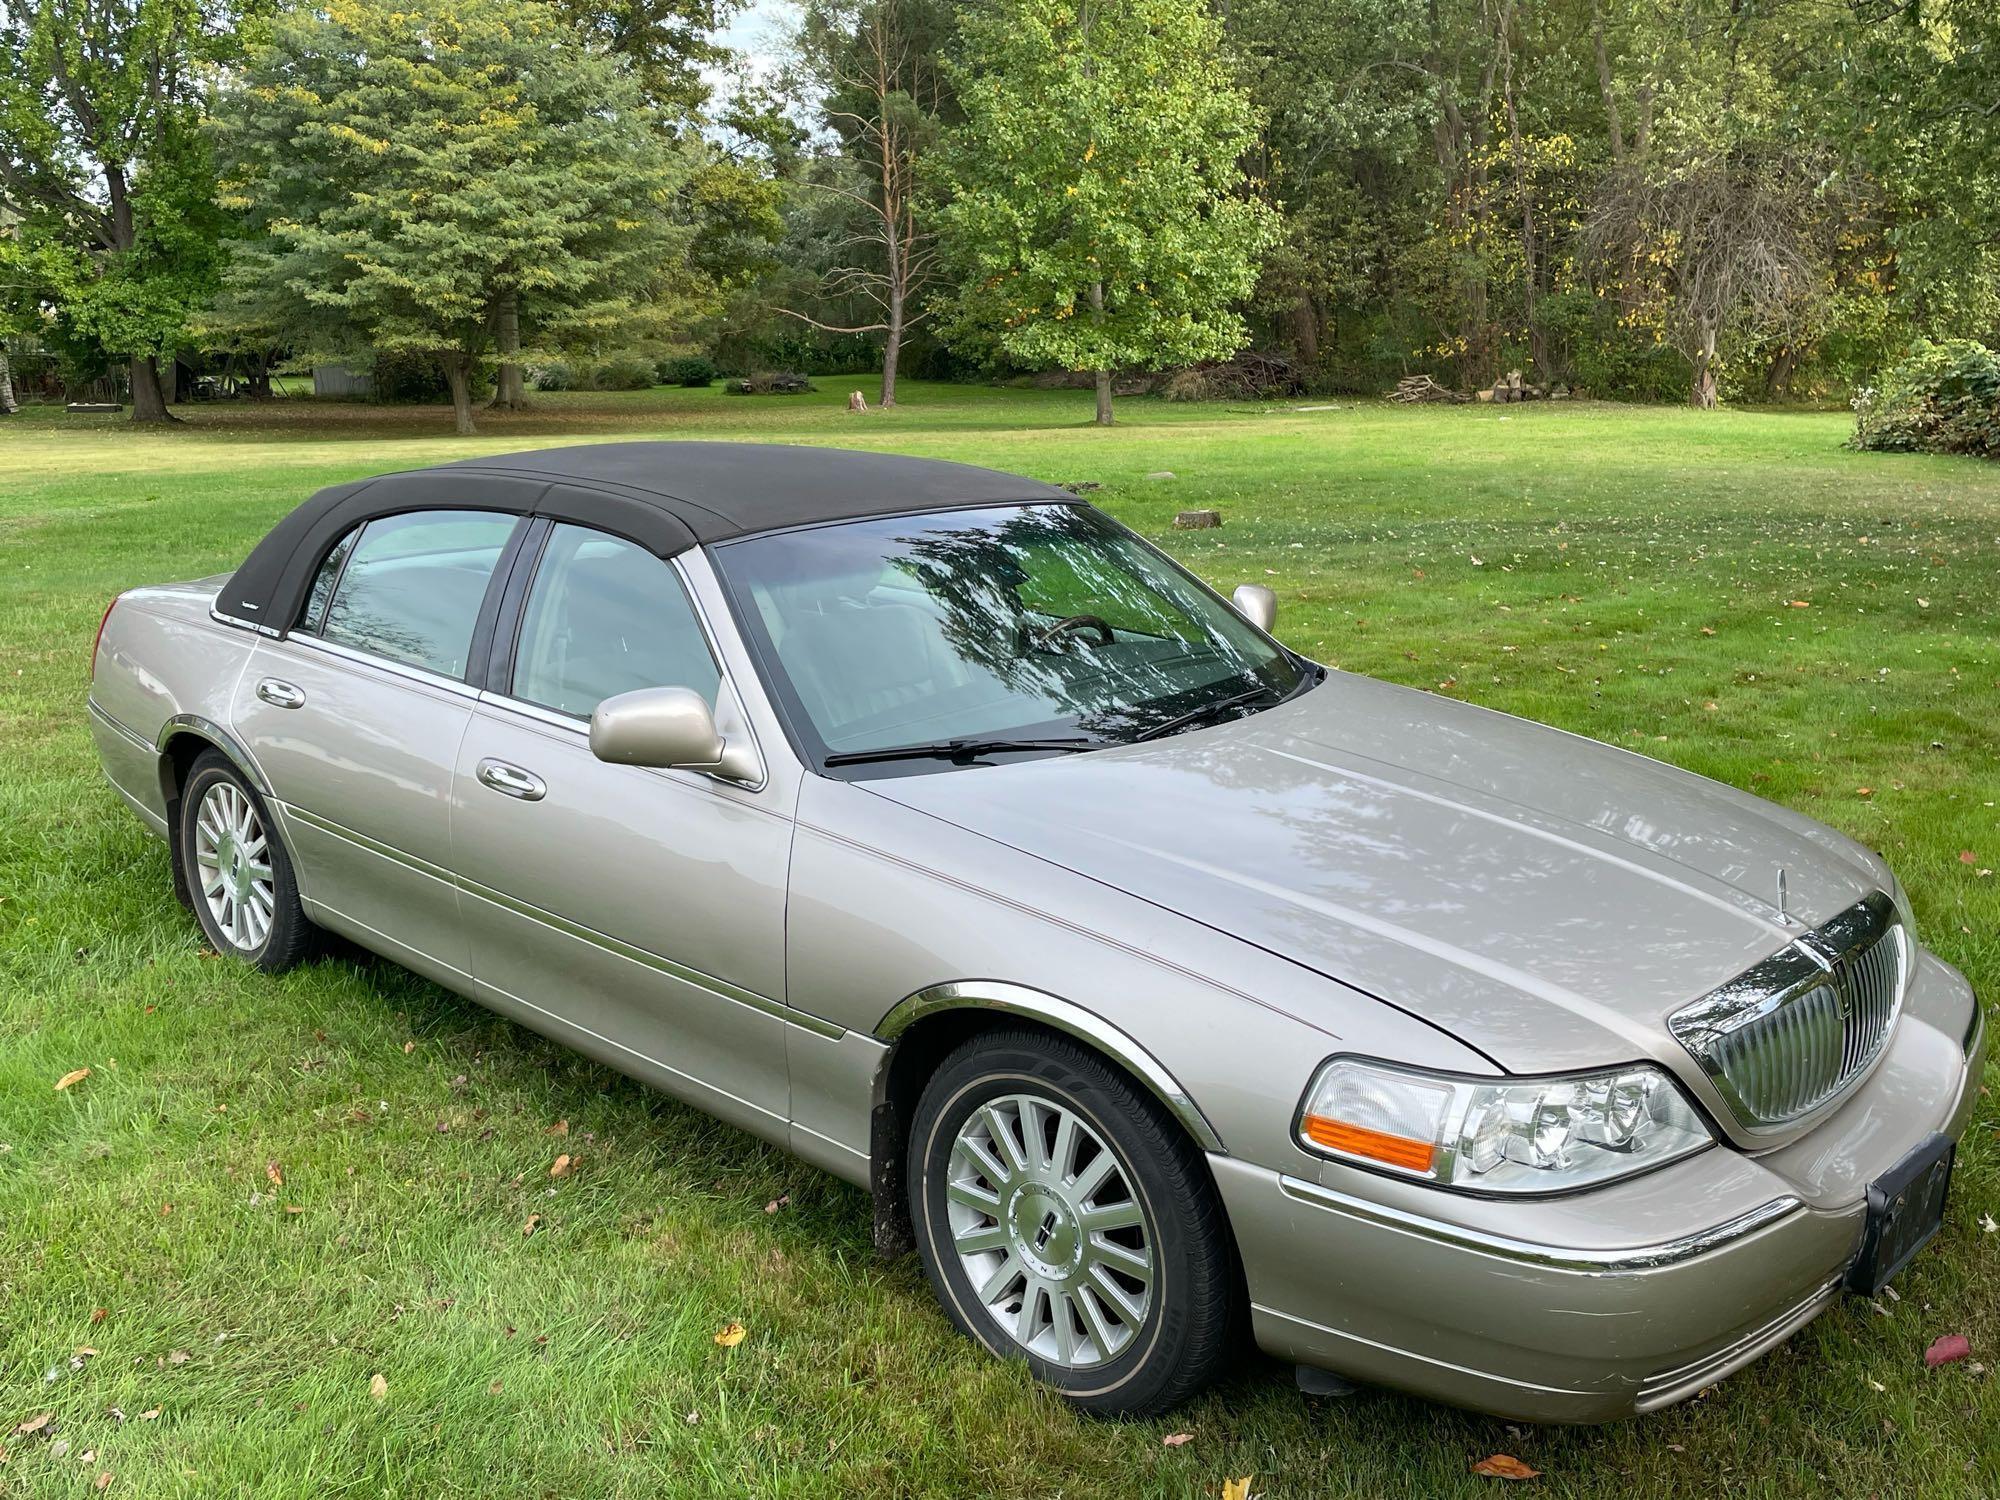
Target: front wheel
{"x": 1065, "y": 1218}
{"x": 237, "y": 869}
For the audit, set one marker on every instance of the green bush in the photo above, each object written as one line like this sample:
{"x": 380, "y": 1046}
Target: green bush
{"x": 556, "y": 376}
{"x": 1939, "y": 398}
{"x": 696, "y": 371}
{"x": 622, "y": 372}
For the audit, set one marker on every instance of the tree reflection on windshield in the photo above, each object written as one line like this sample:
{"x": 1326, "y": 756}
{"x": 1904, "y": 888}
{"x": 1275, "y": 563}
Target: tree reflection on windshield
{"x": 1015, "y": 621}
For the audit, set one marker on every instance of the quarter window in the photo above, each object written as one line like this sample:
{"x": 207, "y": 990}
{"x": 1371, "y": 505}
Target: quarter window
{"x": 606, "y": 617}
{"x": 413, "y": 584}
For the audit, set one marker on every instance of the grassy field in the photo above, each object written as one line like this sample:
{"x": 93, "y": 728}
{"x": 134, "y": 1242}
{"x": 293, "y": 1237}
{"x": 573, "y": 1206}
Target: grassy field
{"x": 1733, "y": 592}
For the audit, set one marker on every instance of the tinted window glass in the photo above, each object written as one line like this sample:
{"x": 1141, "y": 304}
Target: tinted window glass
{"x": 606, "y": 617}
{"x": 324, "y": 580}
{"x": 1020, "y": 621}
{"x": 412, "y": 587}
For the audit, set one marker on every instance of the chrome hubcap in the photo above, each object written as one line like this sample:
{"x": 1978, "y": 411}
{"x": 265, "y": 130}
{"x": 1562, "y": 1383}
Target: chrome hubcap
{"x": 232, "y": 857}
{"x": 1049, "y": 1231}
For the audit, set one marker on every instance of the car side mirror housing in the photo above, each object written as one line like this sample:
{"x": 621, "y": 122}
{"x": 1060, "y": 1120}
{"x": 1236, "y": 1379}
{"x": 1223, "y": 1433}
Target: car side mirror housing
{"x": 672, "y": 728}
{"x": 1256, "y": 604}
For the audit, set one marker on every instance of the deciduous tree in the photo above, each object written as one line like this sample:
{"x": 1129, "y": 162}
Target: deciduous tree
{"x": 1099, "y": 217}
{"x": 103, "y": 160}
{"x": 427, "y": 177}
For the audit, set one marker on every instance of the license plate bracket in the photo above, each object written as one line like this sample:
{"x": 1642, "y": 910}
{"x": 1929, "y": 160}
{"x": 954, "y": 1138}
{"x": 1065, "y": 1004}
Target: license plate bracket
{"x": 1905, "y": 1210}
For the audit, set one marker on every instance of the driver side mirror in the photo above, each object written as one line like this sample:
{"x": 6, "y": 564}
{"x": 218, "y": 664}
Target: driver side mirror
{"x": 1256, "y": 604}
{"x": 670, "y": 728}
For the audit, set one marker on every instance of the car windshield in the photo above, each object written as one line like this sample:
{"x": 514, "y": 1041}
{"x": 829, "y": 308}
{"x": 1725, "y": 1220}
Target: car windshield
{"x": 1044, "y": 623}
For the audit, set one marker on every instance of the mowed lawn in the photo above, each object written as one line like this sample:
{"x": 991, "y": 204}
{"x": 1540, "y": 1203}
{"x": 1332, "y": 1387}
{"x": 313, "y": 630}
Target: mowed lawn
{"x": 269, "y": 1192}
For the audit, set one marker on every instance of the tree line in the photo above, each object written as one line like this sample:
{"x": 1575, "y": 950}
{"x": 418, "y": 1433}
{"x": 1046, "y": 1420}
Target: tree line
{"x": 1684, "y": 199}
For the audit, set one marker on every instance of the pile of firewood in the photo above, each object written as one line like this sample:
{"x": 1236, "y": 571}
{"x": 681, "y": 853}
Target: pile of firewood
{"x": 1421, "y": 388}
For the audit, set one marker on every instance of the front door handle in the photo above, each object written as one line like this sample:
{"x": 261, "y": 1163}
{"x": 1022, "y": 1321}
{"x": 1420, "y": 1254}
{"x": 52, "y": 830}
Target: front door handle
{"x": 512, "y": 781}
{"x": 280, "y": 694}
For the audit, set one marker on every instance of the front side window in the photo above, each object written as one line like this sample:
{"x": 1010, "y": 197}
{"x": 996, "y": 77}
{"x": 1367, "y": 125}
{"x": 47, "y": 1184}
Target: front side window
{"x": 1046, "y": 623}
{"x": 606, "y": 617}
{"x": 412, "y": 586}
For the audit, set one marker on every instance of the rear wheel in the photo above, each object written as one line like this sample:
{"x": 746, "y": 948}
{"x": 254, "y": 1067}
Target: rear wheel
{"x": 237, "y": 869}
{"x": 1066, "y": 1219}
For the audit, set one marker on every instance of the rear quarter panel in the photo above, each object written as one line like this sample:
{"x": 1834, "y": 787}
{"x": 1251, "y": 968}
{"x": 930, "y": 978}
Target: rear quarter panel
{"x": 161, "y": 657}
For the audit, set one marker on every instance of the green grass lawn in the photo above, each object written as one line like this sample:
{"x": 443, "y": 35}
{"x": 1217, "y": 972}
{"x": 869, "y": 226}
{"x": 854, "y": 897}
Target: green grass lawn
{"x": 1733, "y": 592}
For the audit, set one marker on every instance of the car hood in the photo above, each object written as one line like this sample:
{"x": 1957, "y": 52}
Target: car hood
{"x": 1545, "y": 898}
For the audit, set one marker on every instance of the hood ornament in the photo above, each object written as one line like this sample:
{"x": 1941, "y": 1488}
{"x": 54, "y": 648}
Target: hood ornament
{"x": 1783, "y": 915}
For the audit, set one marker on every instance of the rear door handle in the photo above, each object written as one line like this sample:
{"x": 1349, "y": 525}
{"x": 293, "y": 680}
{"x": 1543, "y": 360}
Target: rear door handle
{"x": 512, "y": 781}
{"x": 280, "y": 694}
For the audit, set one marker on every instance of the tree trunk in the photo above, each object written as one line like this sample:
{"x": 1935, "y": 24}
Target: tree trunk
{"x": 1305, "y": 330}
{"x": 892, "y": 345}
{"x": 1703, "y": 394}
{"x": 509, "y": 389}
{"x": 149, "y": 401}
{"x": 458, "y": 371}
{"x": 7, "y": 406}
{"x": 1103, "y": 375}
{"x": 257, "y": 380}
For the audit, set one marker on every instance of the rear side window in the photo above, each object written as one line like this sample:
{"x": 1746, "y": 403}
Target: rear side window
{"x": 606, "y": 617}
{"x": 412, "y": 586}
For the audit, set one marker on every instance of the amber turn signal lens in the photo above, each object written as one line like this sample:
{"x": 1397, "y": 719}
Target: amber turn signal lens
{"x": 1376, "y": 1145}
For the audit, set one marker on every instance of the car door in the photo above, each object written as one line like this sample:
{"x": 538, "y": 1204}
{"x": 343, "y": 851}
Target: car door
{"x": 356, "y": 719}
{"x": 637, "y": 914}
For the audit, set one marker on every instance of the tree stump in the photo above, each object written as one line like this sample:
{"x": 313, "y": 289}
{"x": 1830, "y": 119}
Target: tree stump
{"x": 856, "y": 401}
{"x": 1197, "y": 520}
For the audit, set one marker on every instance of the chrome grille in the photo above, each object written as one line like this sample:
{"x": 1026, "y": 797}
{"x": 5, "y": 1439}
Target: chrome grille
{"x": 1794, "y": 1030}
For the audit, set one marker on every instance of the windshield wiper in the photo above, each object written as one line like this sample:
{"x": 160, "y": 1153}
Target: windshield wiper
{"x": 1207, "y": 711}
{"x": 966, "y": 749}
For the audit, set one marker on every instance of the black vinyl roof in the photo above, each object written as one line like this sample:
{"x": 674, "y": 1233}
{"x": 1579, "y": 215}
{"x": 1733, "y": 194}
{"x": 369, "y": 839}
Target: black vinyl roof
{"x": 666, "y": 496}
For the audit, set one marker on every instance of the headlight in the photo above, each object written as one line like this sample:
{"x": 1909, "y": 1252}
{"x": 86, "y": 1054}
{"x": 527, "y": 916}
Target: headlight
{"x": 1528, "y": 1135}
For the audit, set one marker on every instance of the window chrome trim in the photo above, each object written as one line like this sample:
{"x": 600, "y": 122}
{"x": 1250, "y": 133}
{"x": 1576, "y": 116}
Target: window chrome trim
{"x": 1583, "y": 1260}
{"x": 235, "y": 623}
{"x": 422, "y": 676}
{"x": 642, "y": 956}
{"x": 1018, "y": 999}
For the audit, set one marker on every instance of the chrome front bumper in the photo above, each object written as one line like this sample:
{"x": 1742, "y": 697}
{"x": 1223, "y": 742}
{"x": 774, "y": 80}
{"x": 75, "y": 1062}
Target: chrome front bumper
{"x": 1580, "y": 1309}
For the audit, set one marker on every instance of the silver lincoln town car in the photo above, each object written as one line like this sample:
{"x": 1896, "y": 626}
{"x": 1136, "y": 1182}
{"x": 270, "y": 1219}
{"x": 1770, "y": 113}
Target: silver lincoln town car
{"x": 1156, "y": 982}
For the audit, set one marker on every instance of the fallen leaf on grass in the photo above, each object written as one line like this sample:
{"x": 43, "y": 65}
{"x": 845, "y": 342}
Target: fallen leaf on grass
{"x": 1987, "y": 1224}
{"x": 783, "y": 1200}
{"x": 179, "y": 1357}
{"x": 1800, "y": 604}
{"x": 493, "y": 1389}
{"x": 534, "y": 1223}
{"x": 102, "y": 1481}
{"x": 378, "y": 1388}
{"x": 35, "y": 1424}
{"x": 561, "y": 1127}
{"x": 1175, "y": 1439}
{"x": 730, "y": 1334}
{"x": 73, "y": 1076}
{"x": 98, "y": 1315}
{"x": 1864, "y": 791}
{"x": 275, "y": 1172}
{"x": 1948, "y": 1350}
{"x": 1967, "y": 857}
{"x": 1237, "y": 1489}
{"x": 562, "y": 1165}
{"x": 1504, "y": 1466}
{"x": 149, "y": 1416}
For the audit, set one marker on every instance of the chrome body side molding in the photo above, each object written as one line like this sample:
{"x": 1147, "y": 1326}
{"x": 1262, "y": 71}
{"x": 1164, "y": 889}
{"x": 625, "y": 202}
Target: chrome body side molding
{"x": 1019, "y": 1000}
{"x": 643, "y": 956}
{"x": 1562, "y": 1258}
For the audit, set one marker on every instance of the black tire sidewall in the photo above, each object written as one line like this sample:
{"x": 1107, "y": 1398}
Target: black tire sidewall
{"x": 1164, "y": 1362}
